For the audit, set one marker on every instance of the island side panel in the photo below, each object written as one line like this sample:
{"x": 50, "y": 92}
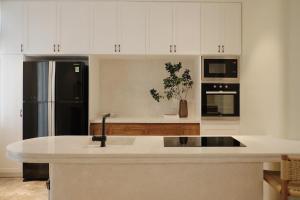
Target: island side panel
{"x": 201, "y": 181}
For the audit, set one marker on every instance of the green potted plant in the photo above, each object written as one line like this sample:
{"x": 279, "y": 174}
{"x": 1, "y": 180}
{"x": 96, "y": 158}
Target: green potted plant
{"x": 177, "y": 86}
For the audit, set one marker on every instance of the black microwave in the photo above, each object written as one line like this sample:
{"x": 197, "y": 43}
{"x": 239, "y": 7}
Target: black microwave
{"x": 217, "y": 69}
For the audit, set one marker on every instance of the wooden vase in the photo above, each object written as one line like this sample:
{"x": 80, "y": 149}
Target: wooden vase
{"x": 183, "y": 109}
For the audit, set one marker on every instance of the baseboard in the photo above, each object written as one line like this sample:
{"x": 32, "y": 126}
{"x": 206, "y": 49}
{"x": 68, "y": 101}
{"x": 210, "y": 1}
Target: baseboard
{"x": 10, "y": 172}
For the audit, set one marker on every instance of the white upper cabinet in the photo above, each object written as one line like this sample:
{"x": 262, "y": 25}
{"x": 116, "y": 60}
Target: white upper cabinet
{"x": 132, "y": 32}
{"x": 74, "y": 30}
{"x": 232, "y": 28}
{"x": 40, "y": 30}
{"x": 117, "y": 27}
{"x": 210, "y": 29}
{"x": 187, "y": 28}
{"x": 160, "y": 28}
{"x": 105, "y": 27}
{"x": 12, "y": 26}
{"x": 221, "y": 28}
{"x": 174, "y": 28}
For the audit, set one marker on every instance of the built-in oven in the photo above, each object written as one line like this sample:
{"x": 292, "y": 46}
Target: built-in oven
{"x": 220, "y": 100}
{"x": 220, "y": 69}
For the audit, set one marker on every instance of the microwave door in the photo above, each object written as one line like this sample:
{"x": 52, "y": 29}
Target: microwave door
{"x": 220, "y": 69}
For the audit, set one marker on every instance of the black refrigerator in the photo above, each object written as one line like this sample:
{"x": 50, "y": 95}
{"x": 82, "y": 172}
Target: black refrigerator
{"x": 55, "y": 102}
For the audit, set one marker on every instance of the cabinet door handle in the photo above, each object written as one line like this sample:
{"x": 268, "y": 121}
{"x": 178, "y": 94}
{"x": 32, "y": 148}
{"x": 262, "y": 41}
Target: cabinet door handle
{"x": 170, "y": 48}
{"x": 175, "y": 48}
{"x": 223, "y": 48}
{"x": 115, "y": 48}
{"x": 21, "y": 113}
{"x": 22, "y": 48}
{"x": 119, "y": 47}
{"x": 54, "y": 48}
{"x": 219, "y": 48}
{"x": 58, "y": 47}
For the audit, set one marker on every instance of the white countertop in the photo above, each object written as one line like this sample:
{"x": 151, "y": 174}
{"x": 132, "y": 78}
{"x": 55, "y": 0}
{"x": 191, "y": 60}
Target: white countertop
{"x": 80, "y": 149}
{"x": 147, "y": 120}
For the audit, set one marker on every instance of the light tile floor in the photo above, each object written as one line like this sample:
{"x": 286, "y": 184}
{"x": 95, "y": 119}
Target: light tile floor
{"x": 16, "y": 189}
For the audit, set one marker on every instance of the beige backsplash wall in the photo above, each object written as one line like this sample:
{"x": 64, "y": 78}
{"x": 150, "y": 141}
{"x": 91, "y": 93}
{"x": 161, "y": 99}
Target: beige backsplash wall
{"x": 123, "y": 86}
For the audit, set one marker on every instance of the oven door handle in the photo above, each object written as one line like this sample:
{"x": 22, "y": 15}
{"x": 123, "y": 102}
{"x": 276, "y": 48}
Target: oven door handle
{"x": 221, "y": 92}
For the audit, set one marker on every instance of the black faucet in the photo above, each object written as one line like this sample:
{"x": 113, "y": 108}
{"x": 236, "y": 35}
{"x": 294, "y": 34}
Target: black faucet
{"x": 102, "y": 138}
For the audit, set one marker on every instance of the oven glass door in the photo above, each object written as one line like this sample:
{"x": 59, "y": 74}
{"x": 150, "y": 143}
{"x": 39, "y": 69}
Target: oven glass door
{"x": 220, "y": 68}
{"x": 220, "y": 104}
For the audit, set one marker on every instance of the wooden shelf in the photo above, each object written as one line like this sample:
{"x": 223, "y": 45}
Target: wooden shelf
{"x": 146, "y": 129}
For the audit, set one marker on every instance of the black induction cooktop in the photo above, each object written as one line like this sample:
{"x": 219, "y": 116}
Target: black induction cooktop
{"x": 202, "y": 142}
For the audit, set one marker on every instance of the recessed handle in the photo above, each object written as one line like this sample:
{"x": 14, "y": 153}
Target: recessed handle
{"x": 221, "y": 92}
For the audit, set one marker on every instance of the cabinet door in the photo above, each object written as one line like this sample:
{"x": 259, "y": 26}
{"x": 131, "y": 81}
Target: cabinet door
{"x": 232, "y": 28}
{"x": 12, "y": 26}
{"x": 160, "y": 28}
{"x": 105, "y": 18}
{"x": 74, "y": 27}
{"x": 10, "y": 106}
{"x": 132, "y": 35}
{"x": 211, "y": 28}
{"x": 40, "y": 27}
{"x": 187, "y": 28}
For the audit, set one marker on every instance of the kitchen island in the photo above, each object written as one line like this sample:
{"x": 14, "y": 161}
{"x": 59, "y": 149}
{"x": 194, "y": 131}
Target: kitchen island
{"x": 140, "y": 167}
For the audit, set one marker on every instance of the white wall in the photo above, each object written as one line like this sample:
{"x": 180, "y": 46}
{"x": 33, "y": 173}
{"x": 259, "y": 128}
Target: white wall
{"x": 293, "y": 106}
{"x": 124, "y": 86}
{"x": 263, "y": 67}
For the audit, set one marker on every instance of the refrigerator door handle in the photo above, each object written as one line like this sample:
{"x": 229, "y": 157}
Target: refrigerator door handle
{"x": 53, "y": 82}
{"x": 49, "y": 119}
{"x": 50, "y": 70}
{"x": 50, "y": 82}
{"x": 53, "y": 118}
{"x": 53, "y": 98}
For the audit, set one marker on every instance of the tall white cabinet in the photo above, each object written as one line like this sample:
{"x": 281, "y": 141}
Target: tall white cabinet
{"x": 11, "y": 81}
{"x": 12, "y": 26}
{"x": 221, "y": 28}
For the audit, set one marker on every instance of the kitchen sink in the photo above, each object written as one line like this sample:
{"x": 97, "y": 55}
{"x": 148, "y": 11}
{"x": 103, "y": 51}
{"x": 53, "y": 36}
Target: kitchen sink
{"x": 202, "y": 142}
{"x": 114, "y": 141}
